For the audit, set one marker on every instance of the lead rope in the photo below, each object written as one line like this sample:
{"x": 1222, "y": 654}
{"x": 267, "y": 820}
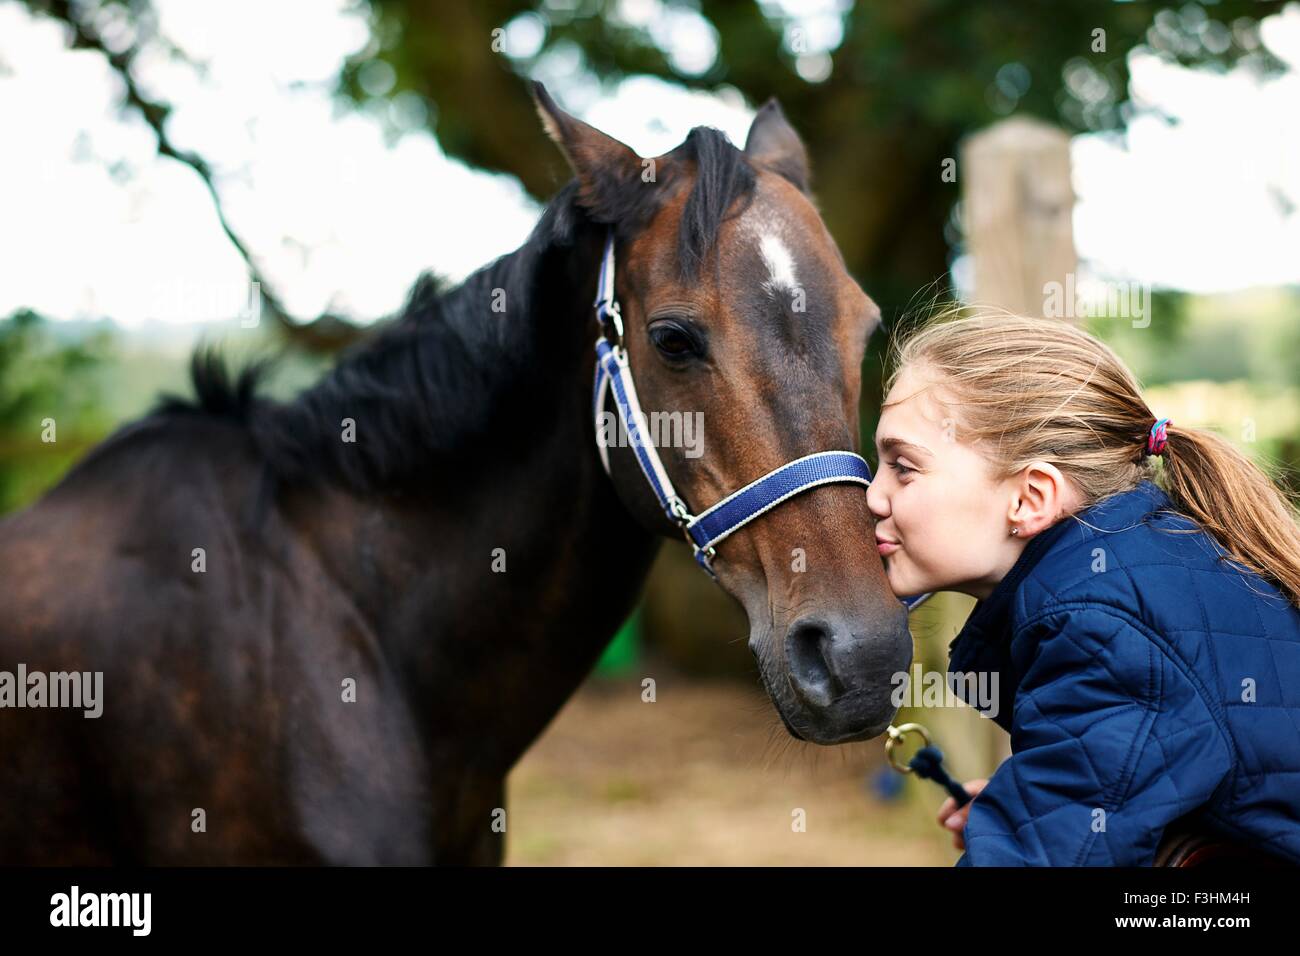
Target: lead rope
{"x": 926, "y": 763}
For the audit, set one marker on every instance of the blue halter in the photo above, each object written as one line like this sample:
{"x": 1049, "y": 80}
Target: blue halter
{"x": 707, "y": 529}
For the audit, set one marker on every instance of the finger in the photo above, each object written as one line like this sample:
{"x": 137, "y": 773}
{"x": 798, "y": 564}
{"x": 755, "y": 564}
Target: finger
{"x": 946, "y": 808}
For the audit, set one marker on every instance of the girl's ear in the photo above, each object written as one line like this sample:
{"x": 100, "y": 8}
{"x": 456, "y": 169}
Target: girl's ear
{"x": 1043, "y": 495}
{"x": 606, "y": 169}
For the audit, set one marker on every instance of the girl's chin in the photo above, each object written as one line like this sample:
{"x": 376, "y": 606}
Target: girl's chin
{"x": 903, "y": 584}
{"x": 896, "y": 577}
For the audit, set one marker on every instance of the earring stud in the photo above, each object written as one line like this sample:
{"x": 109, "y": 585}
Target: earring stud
{"x": 1015, "y": 531}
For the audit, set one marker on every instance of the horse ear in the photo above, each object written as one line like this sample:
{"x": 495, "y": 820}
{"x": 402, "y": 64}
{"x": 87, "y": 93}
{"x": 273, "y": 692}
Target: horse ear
{"x": 772, "y": 142}
{"x": 605, "y": 168}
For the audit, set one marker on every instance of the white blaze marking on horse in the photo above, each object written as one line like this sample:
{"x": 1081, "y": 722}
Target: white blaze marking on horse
{"x": 780, "y": 263}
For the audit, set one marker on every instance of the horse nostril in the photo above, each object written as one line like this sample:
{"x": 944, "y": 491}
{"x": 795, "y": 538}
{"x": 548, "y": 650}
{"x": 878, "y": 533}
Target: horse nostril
{"x": 807, "y": 644}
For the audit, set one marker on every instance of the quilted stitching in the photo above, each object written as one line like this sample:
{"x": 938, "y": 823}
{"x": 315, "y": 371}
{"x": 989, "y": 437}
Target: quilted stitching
{"x": 1127, "y": 693}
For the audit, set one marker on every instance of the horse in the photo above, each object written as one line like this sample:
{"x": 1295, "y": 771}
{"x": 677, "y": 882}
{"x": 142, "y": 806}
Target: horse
{"x": 328, "y": 626}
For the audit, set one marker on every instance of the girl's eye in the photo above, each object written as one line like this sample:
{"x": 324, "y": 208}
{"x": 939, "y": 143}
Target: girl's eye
{"x": 672, "y": 340}
{"x": 900, "y": 469}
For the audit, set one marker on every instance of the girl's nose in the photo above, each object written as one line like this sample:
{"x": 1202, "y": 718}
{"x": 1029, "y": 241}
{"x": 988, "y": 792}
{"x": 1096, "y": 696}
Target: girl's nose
{"x": 877, "y": 500}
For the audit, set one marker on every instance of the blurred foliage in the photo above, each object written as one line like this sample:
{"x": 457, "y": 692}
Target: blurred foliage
{"x": 906, "y": 83}
{"x": 1249, "y": 336}
{"x": 879, "y": 110}
{"x": 43, "y": 378}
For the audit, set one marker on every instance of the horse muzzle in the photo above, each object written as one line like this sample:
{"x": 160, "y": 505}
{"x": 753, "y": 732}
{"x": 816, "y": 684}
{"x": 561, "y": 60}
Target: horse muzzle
{"x": 832, "y": 677}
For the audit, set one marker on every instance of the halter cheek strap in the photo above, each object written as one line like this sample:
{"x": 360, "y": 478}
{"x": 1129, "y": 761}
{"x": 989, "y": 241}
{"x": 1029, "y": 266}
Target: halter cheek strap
{"x": 711, "y": 526}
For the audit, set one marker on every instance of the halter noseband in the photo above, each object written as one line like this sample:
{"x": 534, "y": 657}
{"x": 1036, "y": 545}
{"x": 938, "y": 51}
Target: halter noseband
{"x": 705, "y": 530}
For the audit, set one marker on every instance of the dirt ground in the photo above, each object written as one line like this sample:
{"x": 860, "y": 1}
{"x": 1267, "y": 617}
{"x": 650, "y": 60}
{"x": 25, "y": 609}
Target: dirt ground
{"x": 706, "y": 775}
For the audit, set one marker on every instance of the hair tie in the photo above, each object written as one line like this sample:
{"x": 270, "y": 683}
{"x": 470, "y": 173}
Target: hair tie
{"x": 1158, "y": 438}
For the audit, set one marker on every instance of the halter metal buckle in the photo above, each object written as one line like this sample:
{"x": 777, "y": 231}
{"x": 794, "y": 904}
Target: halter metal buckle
{"x": 683, "y": 517}
{"x": 616, "y": 319}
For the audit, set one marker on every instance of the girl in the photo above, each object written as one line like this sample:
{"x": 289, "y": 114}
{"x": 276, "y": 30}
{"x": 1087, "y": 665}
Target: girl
{"x": 1138, "y": 590}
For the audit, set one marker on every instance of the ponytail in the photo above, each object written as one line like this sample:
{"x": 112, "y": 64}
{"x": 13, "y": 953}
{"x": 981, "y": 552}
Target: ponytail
{"x": 1232, "y": 499}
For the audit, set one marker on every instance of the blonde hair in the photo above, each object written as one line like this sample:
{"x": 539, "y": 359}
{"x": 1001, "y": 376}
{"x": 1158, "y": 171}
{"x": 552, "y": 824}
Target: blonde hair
{"x": 1027, "y": 390}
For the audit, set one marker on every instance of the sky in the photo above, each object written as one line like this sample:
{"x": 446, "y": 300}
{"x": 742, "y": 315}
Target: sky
{"x": 93, "y": 223}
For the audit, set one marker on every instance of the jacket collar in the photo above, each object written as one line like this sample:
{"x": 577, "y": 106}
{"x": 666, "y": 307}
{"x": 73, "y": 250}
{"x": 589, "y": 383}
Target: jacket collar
{"x": 991, "y": 618}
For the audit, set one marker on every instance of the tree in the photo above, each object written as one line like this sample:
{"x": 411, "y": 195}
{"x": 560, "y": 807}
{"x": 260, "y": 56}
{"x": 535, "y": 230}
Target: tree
{"x": 907, "y": 82}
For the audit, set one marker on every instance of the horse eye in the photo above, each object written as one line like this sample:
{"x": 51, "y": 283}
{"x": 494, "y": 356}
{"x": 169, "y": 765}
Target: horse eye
{"x": 672, "y": 340}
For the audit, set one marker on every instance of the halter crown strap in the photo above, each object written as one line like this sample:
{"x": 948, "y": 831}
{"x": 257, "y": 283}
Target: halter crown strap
{"x": 705, "y": 530}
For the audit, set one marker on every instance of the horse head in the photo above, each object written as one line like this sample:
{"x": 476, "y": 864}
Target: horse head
{"x": 738, "y": 313}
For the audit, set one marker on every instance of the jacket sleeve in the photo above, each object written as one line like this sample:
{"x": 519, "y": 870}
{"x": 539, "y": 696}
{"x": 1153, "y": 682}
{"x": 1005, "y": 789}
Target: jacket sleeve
{"x": 1111, "y": 741}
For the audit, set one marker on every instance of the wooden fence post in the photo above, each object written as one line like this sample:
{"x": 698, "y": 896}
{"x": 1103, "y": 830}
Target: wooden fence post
{"x": 1018, "y": 205}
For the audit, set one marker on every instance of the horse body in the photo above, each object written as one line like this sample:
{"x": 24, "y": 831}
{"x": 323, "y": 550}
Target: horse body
{"x": 224, "y": 688}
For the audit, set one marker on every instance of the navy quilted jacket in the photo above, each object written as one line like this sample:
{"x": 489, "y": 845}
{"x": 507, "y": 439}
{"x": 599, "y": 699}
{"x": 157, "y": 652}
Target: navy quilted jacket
{"x": 1141, "y": 680}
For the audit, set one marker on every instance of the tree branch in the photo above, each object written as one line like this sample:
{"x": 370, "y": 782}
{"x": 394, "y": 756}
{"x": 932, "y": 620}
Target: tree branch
{"x": 326, "y": 333}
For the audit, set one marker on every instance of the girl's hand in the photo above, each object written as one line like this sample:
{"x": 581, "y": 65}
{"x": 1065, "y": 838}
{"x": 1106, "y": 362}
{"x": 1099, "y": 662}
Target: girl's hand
{"x": 955, "y": 820}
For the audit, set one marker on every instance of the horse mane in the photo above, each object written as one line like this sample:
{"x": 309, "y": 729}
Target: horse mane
{"x": 436, "y": 378}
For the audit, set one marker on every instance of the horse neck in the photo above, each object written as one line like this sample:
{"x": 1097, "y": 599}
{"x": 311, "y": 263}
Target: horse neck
{"x": 494, "y": 590}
